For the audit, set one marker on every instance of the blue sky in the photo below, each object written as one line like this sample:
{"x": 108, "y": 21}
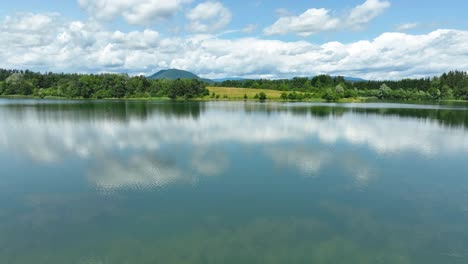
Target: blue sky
{"x": 373, "y": 39}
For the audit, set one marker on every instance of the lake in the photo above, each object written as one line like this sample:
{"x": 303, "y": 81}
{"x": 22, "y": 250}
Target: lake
{"x": 115, "y": 182}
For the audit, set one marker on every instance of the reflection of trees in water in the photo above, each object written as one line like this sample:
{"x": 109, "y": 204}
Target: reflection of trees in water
{"x": 142, "y": 110}
{"x": 445, "y": 117}
{"x": 107, "y": 110}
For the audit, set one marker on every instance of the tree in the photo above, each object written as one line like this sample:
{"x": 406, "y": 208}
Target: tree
{"x": 451, "y": 85}
{"x": 262, "y": 97}
{"x": 351, "y": 93}
{"x": 339, "y": 90}
{"x": 292, "y": 96}
{"x": 17, "y": 84}
{"x": 434, "y": 93}
{"x": 446, "y": 92}
{"x": 384, "y": 92}
{"x": 330, "y": 95}
{"x": 284, "y": 96}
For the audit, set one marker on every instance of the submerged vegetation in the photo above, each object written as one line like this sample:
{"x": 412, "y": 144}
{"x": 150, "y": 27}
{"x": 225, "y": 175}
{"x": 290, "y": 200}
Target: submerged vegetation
{"x": 448, "y": 86}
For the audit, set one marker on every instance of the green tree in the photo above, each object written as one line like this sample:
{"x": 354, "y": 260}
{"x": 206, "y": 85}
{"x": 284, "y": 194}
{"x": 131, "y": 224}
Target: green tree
{"x": 339, "y": 90}
{"x": 262, "y": 97}
{"x": 384, "y": 92}
{"x": 284, "y": 96}
{"x": 330, "y": 95}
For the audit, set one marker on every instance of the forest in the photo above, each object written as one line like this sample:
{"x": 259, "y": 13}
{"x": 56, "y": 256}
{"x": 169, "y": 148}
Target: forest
{"x": 17, "y": 82}
{"x": 451, "y": 85}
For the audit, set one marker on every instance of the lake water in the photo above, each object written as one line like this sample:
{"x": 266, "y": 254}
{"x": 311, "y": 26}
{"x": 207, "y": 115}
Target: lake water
{"x": 156, "y": 182}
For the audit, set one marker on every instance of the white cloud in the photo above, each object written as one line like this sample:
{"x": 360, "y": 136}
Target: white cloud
{"x": 310, "y": 22}
{"x": 208, "y": 17}
{"x": 361, "y": 15}
{"x": 316, "y": 20}
{"x": 30, "y": 22}
{"x": 407, "y": 26}
{"x": 76, "y": 46}
{"x": 135, "y": 12}
{"x": 250, "y": 28}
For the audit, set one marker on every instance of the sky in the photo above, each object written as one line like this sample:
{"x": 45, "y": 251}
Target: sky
{"x": 371, "y": 39}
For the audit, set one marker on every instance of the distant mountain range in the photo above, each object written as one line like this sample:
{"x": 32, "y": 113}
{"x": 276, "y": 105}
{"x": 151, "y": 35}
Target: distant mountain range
{"x": 354, "y": 79}
{"x": 230, "y": 79}
{"x": 173, "y": 74}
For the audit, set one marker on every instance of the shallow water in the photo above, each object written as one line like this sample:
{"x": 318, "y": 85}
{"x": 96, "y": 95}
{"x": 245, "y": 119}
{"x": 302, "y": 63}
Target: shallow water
{"x": 92, "y": 182}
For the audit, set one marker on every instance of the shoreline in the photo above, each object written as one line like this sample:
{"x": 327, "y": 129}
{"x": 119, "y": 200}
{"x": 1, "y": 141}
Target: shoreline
{"x": 209, "y": 99}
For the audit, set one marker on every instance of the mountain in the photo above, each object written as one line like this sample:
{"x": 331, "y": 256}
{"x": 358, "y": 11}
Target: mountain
{"x": 354, "y": 79}
{"x": 350, "y": 79}
{"x": 229, "y": 79}
{"x": 173, "y": 74}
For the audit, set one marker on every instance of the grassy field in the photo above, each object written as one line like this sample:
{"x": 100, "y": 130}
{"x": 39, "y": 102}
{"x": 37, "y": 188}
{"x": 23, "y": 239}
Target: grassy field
{"x": 238, "y": 93}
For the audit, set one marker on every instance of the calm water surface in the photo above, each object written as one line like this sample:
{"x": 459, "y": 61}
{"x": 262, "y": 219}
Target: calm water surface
{"x": 151, "y": 182}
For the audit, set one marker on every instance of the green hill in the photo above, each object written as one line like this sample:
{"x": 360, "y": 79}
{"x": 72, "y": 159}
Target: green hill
{"x": 173, "y": 74}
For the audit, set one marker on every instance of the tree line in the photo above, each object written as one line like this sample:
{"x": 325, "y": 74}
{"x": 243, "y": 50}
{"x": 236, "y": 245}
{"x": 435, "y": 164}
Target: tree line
{"x": 28, "y": 83}
{"x": 451, "y": 85}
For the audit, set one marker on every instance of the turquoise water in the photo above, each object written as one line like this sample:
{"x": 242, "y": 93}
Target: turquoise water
{"x": 92, "y": 182}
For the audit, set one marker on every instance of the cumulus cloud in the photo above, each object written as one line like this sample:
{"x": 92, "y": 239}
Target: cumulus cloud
{"x": 30, "y": 22}
{"x": 135, "y": 12}
{"x": 208, "y": 17}
{"x": 316, "y": 20}
{"x": 407, "y": 26}
{"x": 77, "y": 46}
{"x": 361, "y": 15}
{"x": 306, "y": 24}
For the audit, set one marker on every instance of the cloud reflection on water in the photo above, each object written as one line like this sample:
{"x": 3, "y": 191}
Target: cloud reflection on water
{"x": 139, "y": 172}
{"x": 48, "y": 137}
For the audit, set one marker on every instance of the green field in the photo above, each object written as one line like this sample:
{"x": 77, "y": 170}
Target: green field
{"x": 238, "y": 93}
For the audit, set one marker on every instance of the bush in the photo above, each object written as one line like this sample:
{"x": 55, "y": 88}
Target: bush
{"x": 331, "y": 96}
{"x": 284, "y": 96}
{"x": 262, "y": 97}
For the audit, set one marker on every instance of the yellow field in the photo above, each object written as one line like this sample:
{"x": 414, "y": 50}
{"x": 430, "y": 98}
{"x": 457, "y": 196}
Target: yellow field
{"x": 238, "y": 93}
